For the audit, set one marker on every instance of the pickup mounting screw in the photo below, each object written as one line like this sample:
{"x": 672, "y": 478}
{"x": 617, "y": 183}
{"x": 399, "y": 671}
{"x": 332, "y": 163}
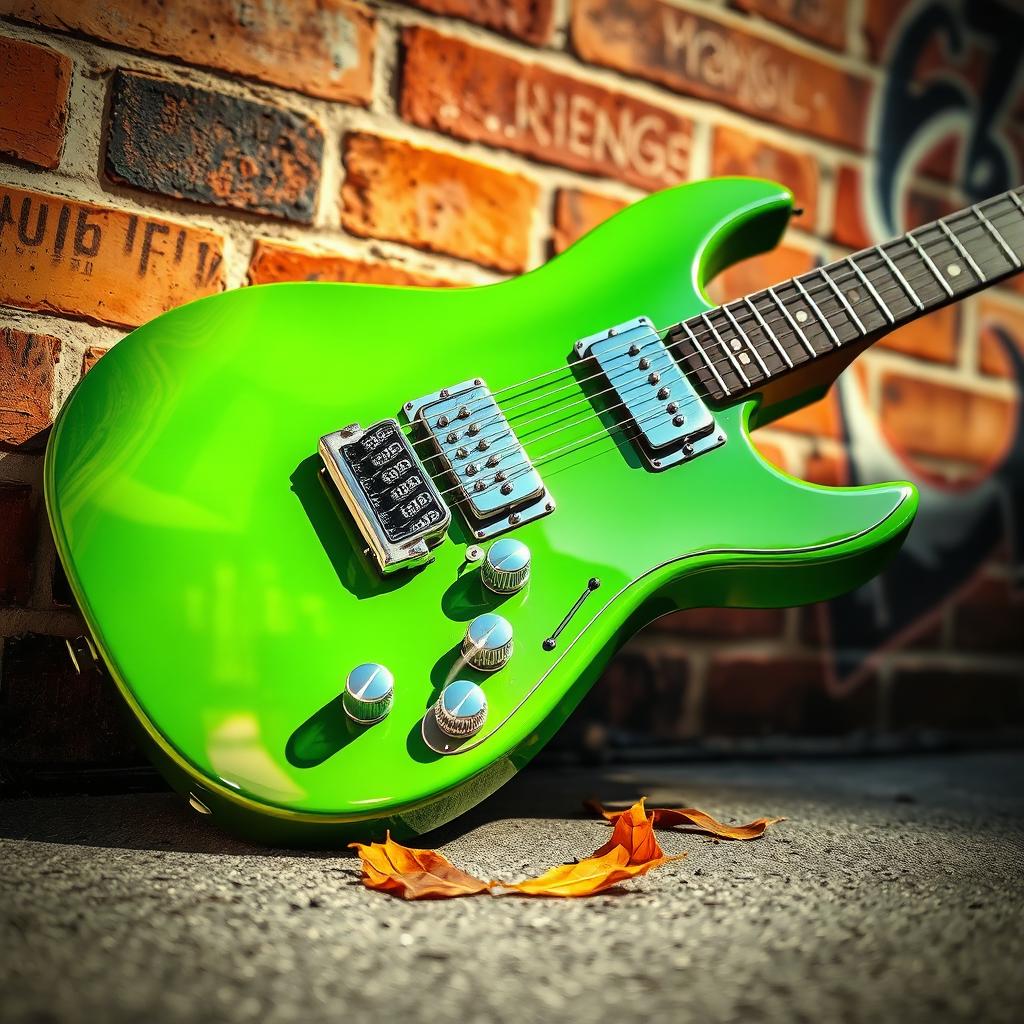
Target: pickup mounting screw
{"x": 492, "y": 460}
{"x": 473, "y": 429}
{"x": 644, "y": 363}
{"x": 444, "y": 393}
{"x": 678, "y": 420}
{"x": 514, "y": 518}
{"x": 479, "y": 486}
{"x": 634, "y": 349}
{"x": 672, "y": 407}
{"x": 654, "y": 377}
{"x": 663, "y": 394}
{"x": 452, "y": 437}
{"x": 443, "y": 421}
{"x": 483, "y": 444}
{"x": 506, "y": 488}
{"x": 549, "y": 506}
{"x": 612, "y": 332}
{"x": 500, "y": 475}
{"x": 461, "y": 453}
{"x": 471, "y": 470}
{"x": 464, "y": 412}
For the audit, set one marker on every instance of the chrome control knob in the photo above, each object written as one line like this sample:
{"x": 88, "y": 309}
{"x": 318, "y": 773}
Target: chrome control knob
{"x": 488, "y": 642}
{"x": 461, "y": 709}
{"x": 507, "y": 566}
{"x": 369, "y": 693}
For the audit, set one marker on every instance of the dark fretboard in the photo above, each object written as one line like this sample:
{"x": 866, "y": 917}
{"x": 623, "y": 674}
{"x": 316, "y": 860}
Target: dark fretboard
{"x": 739, "y": 347}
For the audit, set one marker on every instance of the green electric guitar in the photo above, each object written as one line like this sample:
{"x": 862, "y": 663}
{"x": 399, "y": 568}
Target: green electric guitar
{"x": 353, "y": 553}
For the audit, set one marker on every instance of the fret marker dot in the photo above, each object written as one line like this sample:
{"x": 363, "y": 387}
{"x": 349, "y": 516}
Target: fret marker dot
{"x": 744, "y": 359}
{"x": 801, "y": 316}
{"x": 953, "y": 269}
{"x": 736, "y": 346}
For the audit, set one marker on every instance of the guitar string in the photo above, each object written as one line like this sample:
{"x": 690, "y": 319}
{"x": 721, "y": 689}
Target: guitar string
{"x": 817, "y": 289}
{"x": 536, "y": 462}
{"x": 762, "y": 347}
{"x": 521, "y": 445}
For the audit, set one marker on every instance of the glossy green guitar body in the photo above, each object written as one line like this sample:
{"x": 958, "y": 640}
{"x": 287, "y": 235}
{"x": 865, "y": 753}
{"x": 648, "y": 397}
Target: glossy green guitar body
{"x": 228, "y": 591}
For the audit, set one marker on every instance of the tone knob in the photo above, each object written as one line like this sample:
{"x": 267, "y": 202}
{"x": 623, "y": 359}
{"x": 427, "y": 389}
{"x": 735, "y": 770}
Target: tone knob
{"x": 369, "y": 693}
{"x": 488, "y": 642}
{"x": 461, "y": 709}
{"x": 507, "y": 566}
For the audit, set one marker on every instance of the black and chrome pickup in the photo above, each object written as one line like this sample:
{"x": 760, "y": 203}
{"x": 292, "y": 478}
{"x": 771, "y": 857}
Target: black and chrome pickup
{"x": 392, "y": 498}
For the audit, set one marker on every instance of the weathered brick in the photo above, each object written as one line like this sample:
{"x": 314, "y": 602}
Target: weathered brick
{"x": 27, "y": 364}
{"x": 18, "y": 532}
{"x": 192, "y": 143}
{"x": 274, "y": 261}
{"x": 638, "y": 699}
{"x": 320, "y": 47}
{"x": 927, "y": 418}
{"x": 761, "y": 271}
{"x": 529, "y": 20}
{"x": 50, "y": 716}
{"x": 823, "y": 21}
{"x": 764, "y": 695}
{"x": 101, "y": 263}
{"x": 577, "y": 212}
{"x": 951, "y": 698}
{"x": 724, "y": 623}
{"x": 736, "y": 152}
{"x": 703, "y": 56}
{"x": 454, "y": 87}
{"x": 988, "y": 618}
{"x": 436, "y": 201}
{"x": 1000, "y": 323}
{"x": 34, "y": 90}
{"x": 91, "y": 357}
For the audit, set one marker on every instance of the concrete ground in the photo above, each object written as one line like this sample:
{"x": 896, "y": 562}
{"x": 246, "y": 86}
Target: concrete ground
{"x": 894, "y": 892}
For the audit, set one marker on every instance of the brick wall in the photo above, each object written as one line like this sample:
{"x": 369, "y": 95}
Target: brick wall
{"x": 153, "y": 151}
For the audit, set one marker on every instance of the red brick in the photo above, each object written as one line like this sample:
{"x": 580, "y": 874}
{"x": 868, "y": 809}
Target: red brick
{"x": 97, "y": 262}
{"x": 736, "y": 152}
{"x": 529, "y": 20}
{"x": 999, "y": 319}
{"x": 926, "y": 418}
{"x": 577, "y": 212}
{"x": 764, "y": 694}
{"x": 436, "y": 201}
{"x": 18, "y": 530}
{"x": 989, "y": 618}
{"x": 823, "y": 21}
{"x": 819, "y": 419}
{"x": 27, "y": 364}
{"x": 34, "y": 90}
{"x": 50, "y": 716}
{"x": 849, "y": 226}
{"x": 273, "y": 261}
{"x": 934, "y": 337}
{"x": 772, "y": 452}
{"x": 956, "y": 699}
{"x": 829, "y": 470}
{"x": 700, "y": 55}
{"x": 320, "y": 47}
{"x": 761, "y": 271}
{"x": 450, "y": 86}
{"x": 91, "y": 357}
{"x": 724, "y": 623}
{"x": 192, "y": 143}
{"x": 879, "y": 18}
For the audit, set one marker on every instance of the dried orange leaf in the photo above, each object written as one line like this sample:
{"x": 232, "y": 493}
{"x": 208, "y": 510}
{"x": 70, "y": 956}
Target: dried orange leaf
{"x": 414, "y": 874}
{"x": 634, "y": 832}
{"x": 669, "y": 817}
{"x": 586, "y": 877}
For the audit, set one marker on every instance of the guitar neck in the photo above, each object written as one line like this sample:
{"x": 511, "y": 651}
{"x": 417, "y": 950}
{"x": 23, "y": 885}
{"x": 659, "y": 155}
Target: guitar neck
{"x": 740, "y": 347}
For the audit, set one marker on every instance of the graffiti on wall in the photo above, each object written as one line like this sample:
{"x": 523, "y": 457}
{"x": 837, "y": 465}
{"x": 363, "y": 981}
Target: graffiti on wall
{"x": 957, "y": 529}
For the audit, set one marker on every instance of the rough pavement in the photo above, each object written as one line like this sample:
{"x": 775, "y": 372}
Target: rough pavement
{"x": 894, "y": 892}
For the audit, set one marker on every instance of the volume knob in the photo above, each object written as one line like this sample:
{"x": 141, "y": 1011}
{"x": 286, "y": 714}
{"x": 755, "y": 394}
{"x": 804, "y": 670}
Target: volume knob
{"x": 369, "y": 693}
{"x": 461, "y": 709}
{"x": 488, "y": 642}
{"x": 507, "y": 566}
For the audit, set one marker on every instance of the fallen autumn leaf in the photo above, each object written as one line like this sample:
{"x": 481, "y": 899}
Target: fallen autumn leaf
{"x": 669, "y": 817}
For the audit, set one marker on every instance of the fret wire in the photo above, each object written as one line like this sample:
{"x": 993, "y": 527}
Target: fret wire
{"x": 824, "y": 320}
{"x": 1016, "y": 201}
{"x": 750, "y": 345}
{"x": 886, "y": 311}
{"x": 707, "y": 362}
{"x": 899, "y": 276}
{"x": 931, "y": 265}
{"x": 725, "y": 348}
{"x": 842, "y": 298}
{"x": 768, "y": 331}
{"x": 1011, "y": 255}
{"x": 969, "y": 259}
{"x": 792, "y": 323}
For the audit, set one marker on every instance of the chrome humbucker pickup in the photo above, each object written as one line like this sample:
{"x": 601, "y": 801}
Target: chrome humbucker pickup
{"x": 392, "y": 498}
{"x": 496, "y": 485}
{"x": 651, "y": 396}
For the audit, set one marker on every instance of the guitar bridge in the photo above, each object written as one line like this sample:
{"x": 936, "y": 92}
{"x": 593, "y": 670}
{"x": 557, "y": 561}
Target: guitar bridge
{"x": 392, "y": 498}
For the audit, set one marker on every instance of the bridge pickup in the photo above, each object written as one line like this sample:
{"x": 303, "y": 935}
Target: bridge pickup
{"x": 495, "y": 485}
{"x": 649, "y": 394}
{"x": 392, "y": 498}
